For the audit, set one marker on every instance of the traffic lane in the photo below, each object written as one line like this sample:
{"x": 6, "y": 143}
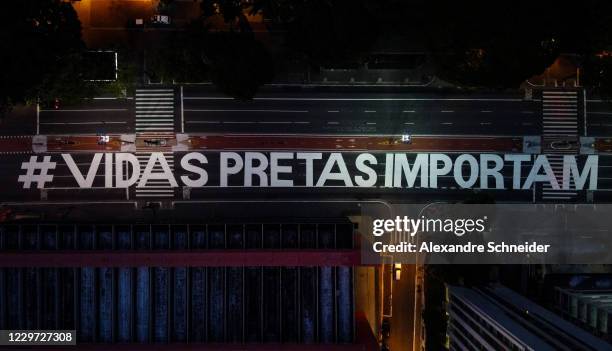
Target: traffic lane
{"x": 602, "y": 145}
{"x": 64, "y": 186}
{"x": 298, "y": 174}
{"x": 377, "y": 107}
{"x": 597, "y": 106}
{"x": 10, "y": 169}
{"x": 403, "y": 317}
{"x": 82, "y": 144}
{"x": 334, "y": 91}
{"x": 12, "y": 189}
{"x": 599, "y": 125}
{"x": 102, "y": 115}
{"x": 367, "y": 123}
{"x": 352, "y": 143}
{"x": 363, "y": 113}
{"x": 15, "y": 144}
{"x": 20, "y": 120}
{"x": 355, "y": 194}
{"x": 599, "y": 117}
{"x": 604, "y": 174}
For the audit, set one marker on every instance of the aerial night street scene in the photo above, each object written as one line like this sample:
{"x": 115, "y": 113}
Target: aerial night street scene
{"x": 371, "y": 175}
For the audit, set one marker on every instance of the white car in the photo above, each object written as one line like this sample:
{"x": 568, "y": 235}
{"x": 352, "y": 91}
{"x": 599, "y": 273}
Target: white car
{"x": 406, "y": 138}
{"x": 103, "y": 139}
{"x": 397, "y": 271}
{"x": 160, "y": 19}
{"x": 563, "y": 145}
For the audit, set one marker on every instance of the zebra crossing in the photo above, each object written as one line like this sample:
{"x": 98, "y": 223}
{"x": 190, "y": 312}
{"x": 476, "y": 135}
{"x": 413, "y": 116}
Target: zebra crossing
{"x": 154, "y": 121}
{"x": 154, "y": 110}
{"x": 559, "y": 137}
{"x": 560, "y": 113}
{"x": 155, "y": 187}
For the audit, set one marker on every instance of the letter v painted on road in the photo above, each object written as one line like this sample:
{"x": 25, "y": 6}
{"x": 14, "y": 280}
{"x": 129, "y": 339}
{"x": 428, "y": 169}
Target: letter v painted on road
{"x": 76, "y": 173}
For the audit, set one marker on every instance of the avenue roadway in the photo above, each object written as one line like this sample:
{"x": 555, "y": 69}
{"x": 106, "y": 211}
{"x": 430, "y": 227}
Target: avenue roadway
{"x": 274, "y": 110}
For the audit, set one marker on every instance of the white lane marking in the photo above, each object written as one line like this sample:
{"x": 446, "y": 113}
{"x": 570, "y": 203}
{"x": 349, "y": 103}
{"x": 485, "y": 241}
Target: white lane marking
{"x": 332, "y": 122}
{"x": 155, "y": 128}
{"x": 203, "y": 122}
{"x": 409, "y": 111}
{"x": 566, "y": 110}
{"x": 447, "y": 111}
{"x": 370, "y": 123}
{"x": 159, "y": 100}
{"x": 486, "y": 111}
{"x": 447, "y": 123}
{"x": 64, "y": 123}
{"x": 238, "y": 122}
{"x": 155, "y": 94}
{"x": 369, "y": 111}
{"x": 333, "y": 111}
{"x": 353, "y": 99}
{"x": 88, "y": 110}
{"x": 302, "y": 122}
{"x": 485, "y": 123}
{"x": 275, "y": 111}
{"x": 114, "y": 98}
{"x": 409, "y": 123}
{"x": 275, "y": 122}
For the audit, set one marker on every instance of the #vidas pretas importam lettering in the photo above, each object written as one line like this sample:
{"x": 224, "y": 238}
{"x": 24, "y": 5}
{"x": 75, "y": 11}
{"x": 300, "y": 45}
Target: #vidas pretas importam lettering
{"x": 291, "y": 169}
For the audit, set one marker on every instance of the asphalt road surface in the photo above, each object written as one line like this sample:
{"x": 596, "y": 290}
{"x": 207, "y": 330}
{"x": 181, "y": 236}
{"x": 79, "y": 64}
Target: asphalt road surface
{"x": 599, "y": 118}
{"x": 102, "y": 115}
{"x": 276, "y": 111}
{"x": 200, "y": 109}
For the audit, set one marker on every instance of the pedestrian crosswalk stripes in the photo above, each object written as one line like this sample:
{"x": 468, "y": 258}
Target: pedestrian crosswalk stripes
{"x": 155, "y": 187}
{"x": 154, "y": 120}
{"x": 559, "y": 138}
{"x": 151, "y": 106}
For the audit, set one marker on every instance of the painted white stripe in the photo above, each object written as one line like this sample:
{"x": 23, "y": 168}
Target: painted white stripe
{"x": 273, "y": 111}
{"x": 82, "y": 123}
{"x": 352, "y": 99}
{"x": 88, "y": 110}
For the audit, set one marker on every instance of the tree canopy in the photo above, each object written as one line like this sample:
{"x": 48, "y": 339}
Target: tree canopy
{"x": 235, "y": 62}
{"x": 40, "y": 51}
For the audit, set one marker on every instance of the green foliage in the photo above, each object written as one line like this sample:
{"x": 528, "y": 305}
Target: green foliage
{"x": 181, "y": 59}
{"x": 500, "y": 44}
{"x": 490, "y": 44}
{"x": 236, "y": 62}
{"x": 329, "y": 32}
{"x": 229, "y": 9}
{"x": 239, "y": 64}
{"x": 41, "y": 52}
{"x": 125, "y": 84}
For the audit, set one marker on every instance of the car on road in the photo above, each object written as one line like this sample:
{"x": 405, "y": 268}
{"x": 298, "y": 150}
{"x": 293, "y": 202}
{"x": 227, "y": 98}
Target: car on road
{"x": 155, "y": 142}
{"x": 397, "y": 271}
{"x": 103, "y": 139}
{"x": 563, "y": 144}
{"x": 407, "y": 139}
{"x": 160, "y": 19}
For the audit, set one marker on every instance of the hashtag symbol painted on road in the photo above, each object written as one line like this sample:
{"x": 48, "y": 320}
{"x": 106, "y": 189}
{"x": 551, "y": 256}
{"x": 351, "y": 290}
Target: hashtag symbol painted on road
{"x": 41, "y": 177}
